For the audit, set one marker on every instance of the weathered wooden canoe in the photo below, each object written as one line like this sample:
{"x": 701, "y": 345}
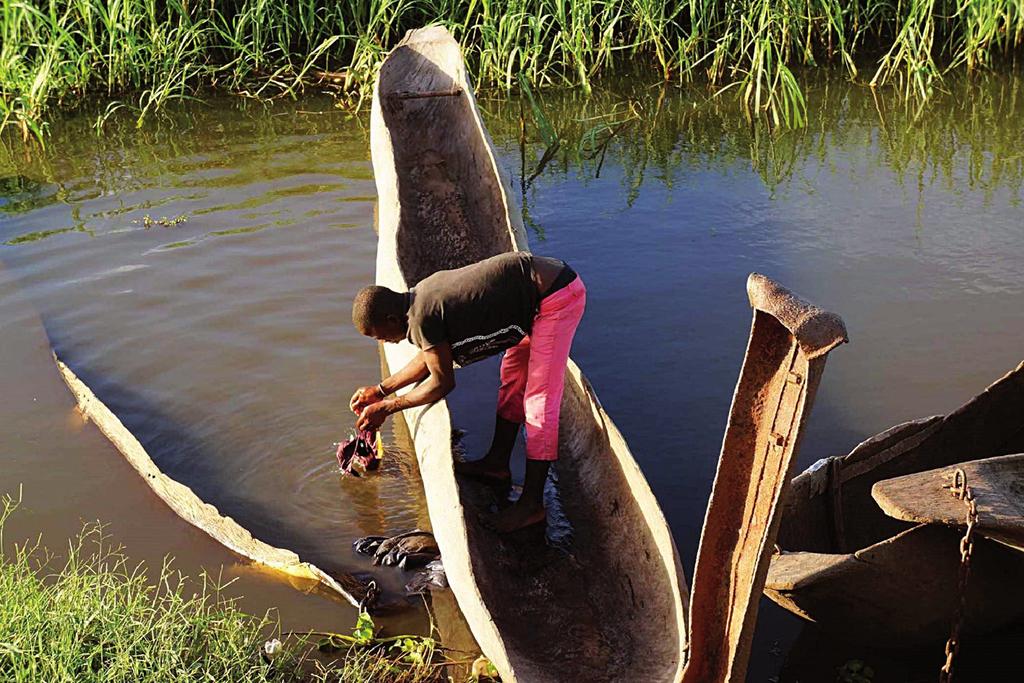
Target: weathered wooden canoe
{"x": 32, "y": 372}
{"x": 848, "y": 566}
{"x": 789, "y": 342}
{"x": 614, "y": 606}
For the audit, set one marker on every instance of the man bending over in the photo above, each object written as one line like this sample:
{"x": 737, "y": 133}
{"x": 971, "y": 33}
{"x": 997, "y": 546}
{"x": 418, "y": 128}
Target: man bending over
{"x": 527, "y": 306}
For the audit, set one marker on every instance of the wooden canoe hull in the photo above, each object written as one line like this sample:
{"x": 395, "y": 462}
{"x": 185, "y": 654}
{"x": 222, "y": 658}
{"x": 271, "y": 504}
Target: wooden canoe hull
{"x": 902, "y": 591}
{"x": 614, "y": 606}
{"x": 206, "y": 517}
{"x": 830, "y": 521}
{"x": 33, "y": 374}
{"x": 789, "y": 343}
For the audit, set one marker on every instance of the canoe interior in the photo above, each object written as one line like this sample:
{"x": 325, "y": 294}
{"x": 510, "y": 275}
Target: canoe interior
{"x": 902, "y": 590}
{"x": 830, "y": 508}
{"x": 452, "y": 212}
{"x": 609, "y": 604}
{"x": 782, "y": 367}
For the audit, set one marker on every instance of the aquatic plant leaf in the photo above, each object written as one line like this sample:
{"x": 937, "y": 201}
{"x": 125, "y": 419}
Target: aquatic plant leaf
{"x": 547, "y": 131}
{"x": 364, "y": 630}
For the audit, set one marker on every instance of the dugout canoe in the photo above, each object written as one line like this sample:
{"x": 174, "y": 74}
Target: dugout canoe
{"x": 848, "y": 566}
{"x": 613, "y": 606}
{"x": 279, "y": 562}
{"x": 30, "y": 384}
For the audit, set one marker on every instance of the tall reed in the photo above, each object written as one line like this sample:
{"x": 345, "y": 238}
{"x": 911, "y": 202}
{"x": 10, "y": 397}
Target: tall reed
{"x": 146, "y": 53}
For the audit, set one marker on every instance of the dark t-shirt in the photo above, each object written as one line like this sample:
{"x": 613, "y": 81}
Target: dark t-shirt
{"x": 480, "y": 310}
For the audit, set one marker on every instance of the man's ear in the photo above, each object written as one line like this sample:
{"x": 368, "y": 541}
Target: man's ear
{"x": 393, "y": 320}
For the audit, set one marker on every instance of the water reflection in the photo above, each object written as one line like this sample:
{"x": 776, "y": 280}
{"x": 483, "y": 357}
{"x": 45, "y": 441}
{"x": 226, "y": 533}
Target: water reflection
{"x": 966, "y": 142}
{"x": 970, "y": 142}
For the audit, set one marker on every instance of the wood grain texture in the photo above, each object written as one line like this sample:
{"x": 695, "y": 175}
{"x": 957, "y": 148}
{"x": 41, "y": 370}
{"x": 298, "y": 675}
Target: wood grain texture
{"x": 789, "y": 343}
{"x": 925, "y": 497}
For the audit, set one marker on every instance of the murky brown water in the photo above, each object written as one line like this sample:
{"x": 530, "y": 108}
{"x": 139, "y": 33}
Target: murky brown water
{"x": 224, "y": 342}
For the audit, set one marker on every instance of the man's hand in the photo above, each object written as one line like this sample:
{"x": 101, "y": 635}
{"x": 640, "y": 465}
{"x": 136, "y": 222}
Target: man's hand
{"x": 437, "y": 373}
{"x": 373, "y": 415}
{"x": 364, "y": 397}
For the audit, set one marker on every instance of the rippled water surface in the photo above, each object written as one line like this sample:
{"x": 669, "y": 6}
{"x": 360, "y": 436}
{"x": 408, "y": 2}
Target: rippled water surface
{"x": 224, "y": 342}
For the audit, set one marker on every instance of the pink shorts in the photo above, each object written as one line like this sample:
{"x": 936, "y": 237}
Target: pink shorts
{"x": 533, "y": 371}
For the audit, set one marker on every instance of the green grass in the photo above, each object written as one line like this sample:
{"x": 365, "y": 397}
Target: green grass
{"x": 92, "y": 615}
{"x": 145, "y": 53}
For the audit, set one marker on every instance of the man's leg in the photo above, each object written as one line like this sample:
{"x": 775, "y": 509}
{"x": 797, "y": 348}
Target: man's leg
{"x": 494, "y": 467}
{"x": 550, "y": 340}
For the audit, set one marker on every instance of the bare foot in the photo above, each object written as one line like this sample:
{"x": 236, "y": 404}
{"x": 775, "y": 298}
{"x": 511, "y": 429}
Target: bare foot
{"x": 517, "y": 516}
{"x": 482, "y": 470}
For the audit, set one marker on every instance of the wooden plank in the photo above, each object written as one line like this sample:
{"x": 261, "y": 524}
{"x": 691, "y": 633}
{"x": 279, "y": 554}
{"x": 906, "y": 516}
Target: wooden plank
{"x": 926, "y": 497}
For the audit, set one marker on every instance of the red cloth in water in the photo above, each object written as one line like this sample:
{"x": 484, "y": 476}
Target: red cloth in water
{"x": 360, "y": 450}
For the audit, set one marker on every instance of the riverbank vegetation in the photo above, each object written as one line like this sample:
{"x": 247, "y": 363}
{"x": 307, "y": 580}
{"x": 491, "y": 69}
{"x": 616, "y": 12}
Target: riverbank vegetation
{"x": 140, "y": 54}
{"x": 91, "y": 615}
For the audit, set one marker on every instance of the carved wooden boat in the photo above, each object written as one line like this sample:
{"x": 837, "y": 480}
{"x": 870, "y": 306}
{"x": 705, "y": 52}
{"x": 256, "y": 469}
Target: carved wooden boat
{"x": 614, "y": 605}
{"x": 789, "y": 342}
{"x": 848, "y": 566}
{"x": 207, "y": 518}
{"x": 27, "y": 348}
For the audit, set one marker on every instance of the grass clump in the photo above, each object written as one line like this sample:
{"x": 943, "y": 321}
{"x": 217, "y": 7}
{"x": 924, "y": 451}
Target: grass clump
{"x": 54, "y": 51}
{"x": 93, "y": 616}
{"x": 97, "y": 618}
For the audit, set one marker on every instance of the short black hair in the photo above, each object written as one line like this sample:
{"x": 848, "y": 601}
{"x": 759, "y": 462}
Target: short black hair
{"x": 372, "y": 306}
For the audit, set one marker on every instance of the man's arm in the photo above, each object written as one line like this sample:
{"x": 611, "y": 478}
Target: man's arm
{"x": 414, "y": 371}
{"x": 438, "y": 384}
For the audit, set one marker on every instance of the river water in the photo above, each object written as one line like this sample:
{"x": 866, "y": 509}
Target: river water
{"x": 224, "y": 342}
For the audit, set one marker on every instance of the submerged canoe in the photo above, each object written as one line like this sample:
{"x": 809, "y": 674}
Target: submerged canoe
{"x": 613, "y": 606}
{"x": 207, "y": 518}
{"x": 848, "y": 566}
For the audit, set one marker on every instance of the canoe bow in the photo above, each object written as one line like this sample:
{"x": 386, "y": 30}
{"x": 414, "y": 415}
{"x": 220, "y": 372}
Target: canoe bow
{"x": 789, "y": 343}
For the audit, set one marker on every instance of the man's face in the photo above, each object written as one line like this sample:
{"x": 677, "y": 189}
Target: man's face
{"x": 391, "y": 330}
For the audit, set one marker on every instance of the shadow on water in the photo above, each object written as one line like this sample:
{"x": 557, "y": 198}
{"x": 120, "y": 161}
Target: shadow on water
{"x": 820, "y": 656}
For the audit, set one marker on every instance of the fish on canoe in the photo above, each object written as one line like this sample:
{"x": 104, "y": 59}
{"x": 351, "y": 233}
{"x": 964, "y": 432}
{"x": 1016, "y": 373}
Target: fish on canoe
{"x": 846, "y": 565}
{"x": 613, "y": 605}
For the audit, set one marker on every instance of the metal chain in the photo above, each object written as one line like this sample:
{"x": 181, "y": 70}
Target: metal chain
{"x": 963, "y": 492}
